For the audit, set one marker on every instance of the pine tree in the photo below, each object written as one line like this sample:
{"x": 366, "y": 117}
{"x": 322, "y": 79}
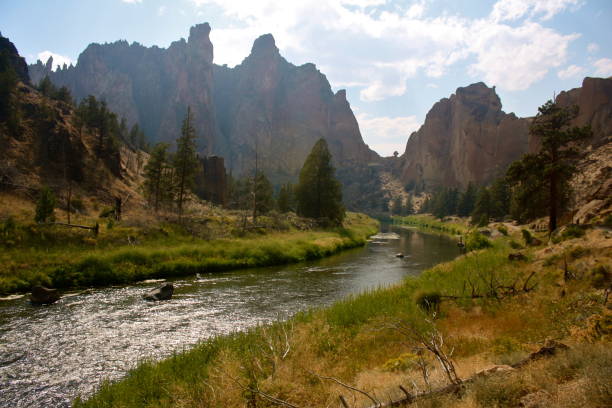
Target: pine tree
{"x": 45, "y": 206}
{"x": 467, "y": 201}
{"x": 286, "y": 198}
{"x": 156, "y": 184}
{"x": 263, "y": 193}
{"x": 319, "y": 194}
{"x": 185, "y": 160}
{"x": 547, "y": 172}
{"x": 482, "y": 209}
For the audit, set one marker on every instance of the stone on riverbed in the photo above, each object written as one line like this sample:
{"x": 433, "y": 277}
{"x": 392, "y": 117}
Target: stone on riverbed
{"x": 44, "y": 296}
{"x": 164, "y": 292}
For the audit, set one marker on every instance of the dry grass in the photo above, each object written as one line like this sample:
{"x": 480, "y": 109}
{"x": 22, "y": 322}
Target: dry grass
{"x": 351, "y": 341}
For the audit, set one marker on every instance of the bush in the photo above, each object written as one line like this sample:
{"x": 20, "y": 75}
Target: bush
{"x": 527, "y": 237}
{"x": 515, "y": 245}
{"x": 77, "y": 204}
{"x": 475, "y": 240}
{"x": 107, "y": 212}
{"x": 572, "y": 231}
{"x": 45, "y": 206}
{"x": 428, "y": 301}
{"x": 503, "y": 230}
{"x": 601, "y": 277}
{"x": 499, "y": 391}
{"x": 404, "y": 362}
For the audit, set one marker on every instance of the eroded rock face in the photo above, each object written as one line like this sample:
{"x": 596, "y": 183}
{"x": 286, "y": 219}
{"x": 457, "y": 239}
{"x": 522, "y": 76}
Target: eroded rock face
{"x": 465, "y": 138}
{"x": 148, "y": 85}
{"x": 594, "y": 100}
{"x": 272, "y": 109}
{"x": 16, "y": 61}
{"x": 265, "y": 106}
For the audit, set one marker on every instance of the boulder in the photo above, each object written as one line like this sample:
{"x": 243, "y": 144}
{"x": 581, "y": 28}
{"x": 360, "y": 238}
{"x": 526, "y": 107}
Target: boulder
{"x": 164, "y": 292}
{"x": 517, "y": 256}
{"x": 399, "y": 255}
{"x": 44, "y": 296}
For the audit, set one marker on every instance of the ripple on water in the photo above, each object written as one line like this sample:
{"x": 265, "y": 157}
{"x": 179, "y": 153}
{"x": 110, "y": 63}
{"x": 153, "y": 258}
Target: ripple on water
{"x": 68, "y": 348}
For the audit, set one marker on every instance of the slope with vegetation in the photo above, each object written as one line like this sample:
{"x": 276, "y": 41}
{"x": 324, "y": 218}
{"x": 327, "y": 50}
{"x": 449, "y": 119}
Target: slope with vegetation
{"x": 483, "y": 310}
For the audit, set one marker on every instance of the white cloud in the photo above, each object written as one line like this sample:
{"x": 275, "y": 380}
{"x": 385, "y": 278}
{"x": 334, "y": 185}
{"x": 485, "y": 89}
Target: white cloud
{"x": 592, "y": 48}
{"x": 514, "y": 58}
{"x": 368, "y": 49}
{"x": 570, "y": 72}
{"x": 387, "y": 134}
{"x": 58, "y": 60}
{"x": 509, "y": 10}
{"x": 132, "y": 1}
{"x": 161, "y": 10}
{"x": 603, "y": 67}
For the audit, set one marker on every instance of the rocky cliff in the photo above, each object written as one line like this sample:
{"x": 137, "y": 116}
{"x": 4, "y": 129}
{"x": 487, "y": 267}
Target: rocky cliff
{"x": 465, "y": 138}
{"x": 272, "y": 109}
{"x": 265, "y": 107}
{"x": 594, "y": 100}
{"x": 148, "y": 85}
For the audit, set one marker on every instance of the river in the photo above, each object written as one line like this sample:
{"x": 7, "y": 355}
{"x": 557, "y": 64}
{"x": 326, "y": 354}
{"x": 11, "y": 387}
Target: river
{"x": 51, "y": 354}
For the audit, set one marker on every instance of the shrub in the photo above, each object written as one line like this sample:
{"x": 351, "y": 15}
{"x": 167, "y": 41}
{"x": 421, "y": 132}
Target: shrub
{"x": 45, "y": 206}
{"x": 428, "y": 301}
{"x": 475, "y": 240}
{"x": 503, "y": 230}
{"x": 499, "y": 391}
{"x": 107, "y": 212}
{"x": 515, "y": 245}
{"x": 77, "y": 204}
{"x": 404, "y": 362}
{"x": 572, "y": 231}
{"x": 601, "y": 277}
{"x": 527, "y": 237}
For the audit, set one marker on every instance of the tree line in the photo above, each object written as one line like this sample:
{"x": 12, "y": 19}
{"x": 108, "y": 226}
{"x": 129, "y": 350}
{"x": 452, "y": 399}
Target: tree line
{"x": 534, "y": 186}
{"x": 170, "y": 177}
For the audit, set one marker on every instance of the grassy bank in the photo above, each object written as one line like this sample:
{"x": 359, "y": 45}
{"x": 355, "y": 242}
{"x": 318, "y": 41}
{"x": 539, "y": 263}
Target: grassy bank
{"x": 361, "y": 340}
{"x": 428, "y": 222}
{"x": 65, "y": 258}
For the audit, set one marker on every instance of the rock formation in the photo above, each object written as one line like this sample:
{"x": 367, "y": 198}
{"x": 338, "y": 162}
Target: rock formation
{"x": 264, "y": 107}
{"x": 276, "y": 111}
{"x": 17, "y": 62}
{"x": 164, "y": 292}
{"x": 149, "y": 86}
{"x": 465, "y": 138}
{"x": 594, "y": 100}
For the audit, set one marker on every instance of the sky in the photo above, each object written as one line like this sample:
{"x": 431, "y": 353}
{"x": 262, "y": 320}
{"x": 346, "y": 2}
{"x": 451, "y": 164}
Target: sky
{"x": 395, "y": 58}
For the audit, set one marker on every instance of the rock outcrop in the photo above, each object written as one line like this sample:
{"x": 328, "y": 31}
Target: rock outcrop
{"x": 264, "y": 107}
{"x": 150, "y": 86}
{"x": 16, "y": 61}
{"x": 164, "y": 292}
{"x": 465, "y": 138}
{"x": 272, "y": 109}
{"x": 594, "y": 100}
{"x": 44, "y": 296}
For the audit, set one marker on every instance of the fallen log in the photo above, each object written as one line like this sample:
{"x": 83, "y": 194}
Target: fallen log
{"x": 546, "y": 351}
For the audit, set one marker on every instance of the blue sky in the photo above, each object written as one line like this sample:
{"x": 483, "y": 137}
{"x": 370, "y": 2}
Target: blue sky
{"x": 395, "y": 58}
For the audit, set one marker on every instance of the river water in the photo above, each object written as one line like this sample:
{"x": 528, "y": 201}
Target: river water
{"x": 51, "y": 354}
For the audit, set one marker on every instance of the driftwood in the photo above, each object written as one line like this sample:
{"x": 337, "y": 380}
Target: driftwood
{"x": 95, "y": 228}
{"x": 546, "y": 351}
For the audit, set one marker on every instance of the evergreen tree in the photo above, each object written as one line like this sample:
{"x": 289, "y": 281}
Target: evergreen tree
{"x": 319, "y": 194}
{"x": 500, "y": 198}
{"x": 45, "y": 206}
{"x": 185, "y": 160}
{"x": 546, "y": 173}
{"x": 465, "y": 207}
{"x": 397, "y": 205}
{"x": 263, "y": 195}
{"x": 8, "y": 83}
{"x": 407, "y": 208}
{"x": 156, "y": 184}
{"x": 482, "y": 209}
{"x": 46, "y": 87}
{"x": 286, "y": 198}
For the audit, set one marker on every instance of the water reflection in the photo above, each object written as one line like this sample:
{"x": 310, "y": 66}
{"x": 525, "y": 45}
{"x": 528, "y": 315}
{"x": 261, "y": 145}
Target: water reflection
{"x": 48, "y": 355}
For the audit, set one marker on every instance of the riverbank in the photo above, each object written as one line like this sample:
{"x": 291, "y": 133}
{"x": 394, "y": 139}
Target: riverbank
{"x": 64, "y": 258}
{"x": 481, "y": 310}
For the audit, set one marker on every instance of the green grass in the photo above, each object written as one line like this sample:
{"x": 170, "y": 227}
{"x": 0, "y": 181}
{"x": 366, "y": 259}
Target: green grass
{"x": 161, "y": 253}
{"x": 428, "y": 222}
